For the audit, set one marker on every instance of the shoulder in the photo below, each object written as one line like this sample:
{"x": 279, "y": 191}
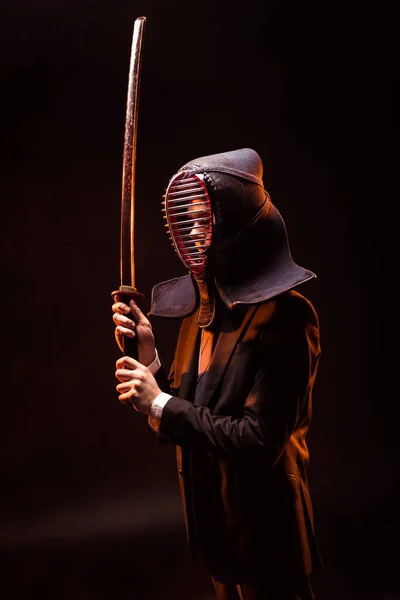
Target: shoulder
{"x": 292, "y": 307}
{"x": 299, "y": 303}
{"x": 288, "y": 316}
{"x": 288, "y": 303}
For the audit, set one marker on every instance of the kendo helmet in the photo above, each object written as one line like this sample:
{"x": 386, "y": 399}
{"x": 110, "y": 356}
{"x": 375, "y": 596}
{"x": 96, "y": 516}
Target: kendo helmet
{"x": 228, "y": 234}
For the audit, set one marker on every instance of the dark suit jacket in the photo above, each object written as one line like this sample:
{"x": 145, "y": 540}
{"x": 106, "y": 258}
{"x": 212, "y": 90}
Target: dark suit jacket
{"x": 240, "y": 435}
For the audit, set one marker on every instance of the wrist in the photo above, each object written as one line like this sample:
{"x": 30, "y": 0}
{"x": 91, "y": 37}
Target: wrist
{"x": 148, "y": 359}
{"x": 155, "y": 364}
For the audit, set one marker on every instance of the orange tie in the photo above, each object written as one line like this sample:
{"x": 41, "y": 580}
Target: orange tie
{"x": 206, "y": 348}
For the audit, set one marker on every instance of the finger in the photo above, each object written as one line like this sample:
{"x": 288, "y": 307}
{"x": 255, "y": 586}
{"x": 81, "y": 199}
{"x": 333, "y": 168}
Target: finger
{"x": 126, "y": 399}
{"x": 121, "y": 308}
{"x": 125, "y": 375}
{"x": 125, "y": 332}
{"x": 128, "y": 362}
{"x": 125, "y": 326}
{"x": 124, "y": 321}
{"x": 120, "y": 340}
{"x": 132, "y": 375}
{"x": 126, "y": 386}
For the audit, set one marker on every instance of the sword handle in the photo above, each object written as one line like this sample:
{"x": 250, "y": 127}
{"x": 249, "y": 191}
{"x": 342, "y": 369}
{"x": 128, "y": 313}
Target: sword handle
{"x": 127, "y": 293}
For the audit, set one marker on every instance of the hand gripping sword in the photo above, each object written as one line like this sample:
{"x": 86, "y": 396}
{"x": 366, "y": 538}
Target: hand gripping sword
{"x": 127, "y": 289}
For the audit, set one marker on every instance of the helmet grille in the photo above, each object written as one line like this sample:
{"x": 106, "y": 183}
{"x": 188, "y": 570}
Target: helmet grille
{"x": 187, "y": 209}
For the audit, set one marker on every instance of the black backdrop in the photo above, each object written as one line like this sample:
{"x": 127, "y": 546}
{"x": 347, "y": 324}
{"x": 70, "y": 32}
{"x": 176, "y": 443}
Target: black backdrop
{"x": 90, "y": 505}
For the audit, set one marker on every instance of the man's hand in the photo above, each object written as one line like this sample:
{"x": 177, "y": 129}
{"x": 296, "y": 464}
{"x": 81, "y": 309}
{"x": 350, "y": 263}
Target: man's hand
{"x": 139, "y": 326}
{"x": 138, "y": 386}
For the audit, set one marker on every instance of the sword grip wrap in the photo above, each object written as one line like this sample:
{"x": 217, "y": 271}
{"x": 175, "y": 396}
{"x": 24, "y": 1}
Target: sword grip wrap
{"x": 125, "y": 294}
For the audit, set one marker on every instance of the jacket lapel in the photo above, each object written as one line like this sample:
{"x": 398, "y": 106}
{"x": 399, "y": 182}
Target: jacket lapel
{"x": 186, "y": 358}
{"x": 233, "y": 327}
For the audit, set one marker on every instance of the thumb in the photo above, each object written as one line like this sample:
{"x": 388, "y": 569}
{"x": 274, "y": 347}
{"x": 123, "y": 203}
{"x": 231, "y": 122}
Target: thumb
{"x": 137, "y": 313}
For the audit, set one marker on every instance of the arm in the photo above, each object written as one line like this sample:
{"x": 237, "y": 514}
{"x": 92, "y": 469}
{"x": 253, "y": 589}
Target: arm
{"x": 148, "y": 358}
{"x": 276, "y": 404}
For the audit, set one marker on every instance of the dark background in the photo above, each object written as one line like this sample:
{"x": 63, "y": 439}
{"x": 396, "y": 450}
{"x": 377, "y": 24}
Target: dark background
{"x": 90, "y": 504}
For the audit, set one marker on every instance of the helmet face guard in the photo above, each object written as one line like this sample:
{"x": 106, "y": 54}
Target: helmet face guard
{"x": 187, "y": 209}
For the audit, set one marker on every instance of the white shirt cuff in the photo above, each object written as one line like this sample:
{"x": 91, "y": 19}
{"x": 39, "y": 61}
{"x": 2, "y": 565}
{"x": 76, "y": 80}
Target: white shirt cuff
{"x": 155, "y": 365}
{"x": 157, "y": 409}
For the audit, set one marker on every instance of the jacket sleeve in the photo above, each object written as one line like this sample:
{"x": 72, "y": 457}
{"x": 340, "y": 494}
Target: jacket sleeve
{"x": 278, "y": 402}
{"x": 163, "y": 380}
